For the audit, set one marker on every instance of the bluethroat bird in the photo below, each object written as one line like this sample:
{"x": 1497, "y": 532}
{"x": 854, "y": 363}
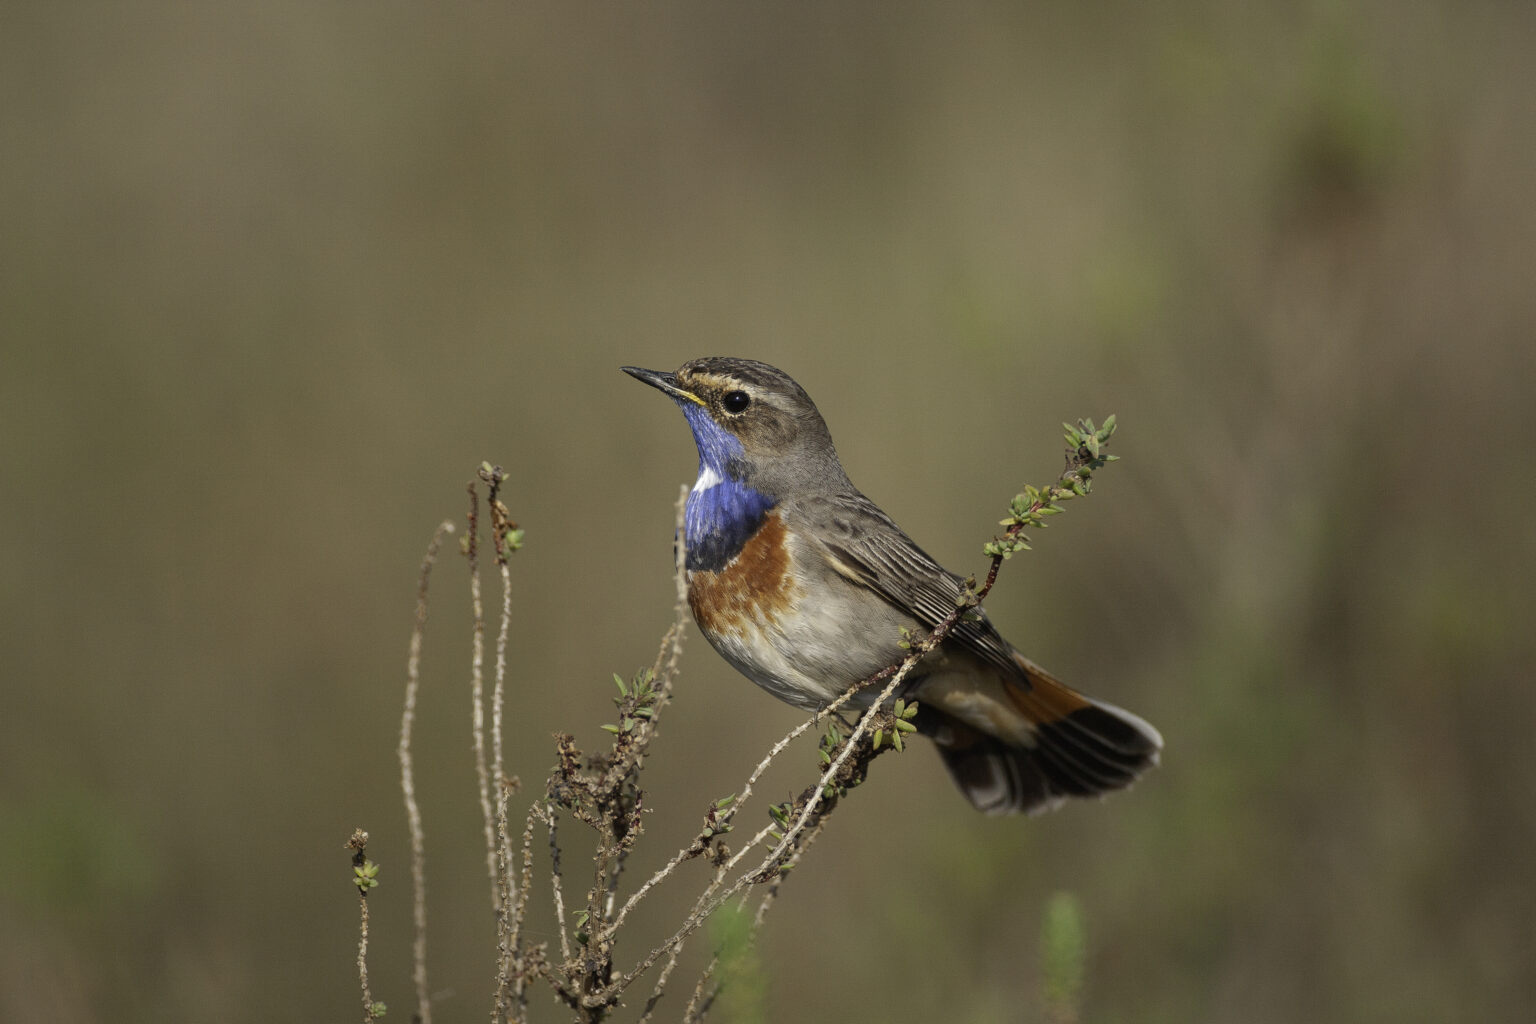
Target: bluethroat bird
{"x": 804, "y": 585}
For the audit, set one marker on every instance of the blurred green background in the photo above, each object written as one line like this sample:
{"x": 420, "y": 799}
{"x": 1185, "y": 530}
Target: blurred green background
{"x": 275, "y": 278}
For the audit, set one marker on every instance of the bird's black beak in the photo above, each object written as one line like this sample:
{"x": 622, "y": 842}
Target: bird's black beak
{"x": 662, "y": 381}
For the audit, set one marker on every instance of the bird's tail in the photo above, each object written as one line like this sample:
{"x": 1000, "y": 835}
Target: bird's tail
{"x": 1073, "y": 746}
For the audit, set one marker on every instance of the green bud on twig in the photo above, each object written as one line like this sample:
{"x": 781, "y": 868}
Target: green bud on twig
{"x": 365, "y": 876}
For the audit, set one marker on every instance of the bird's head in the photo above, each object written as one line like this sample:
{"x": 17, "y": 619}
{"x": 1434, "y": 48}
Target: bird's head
{"x": 753, "y": 424}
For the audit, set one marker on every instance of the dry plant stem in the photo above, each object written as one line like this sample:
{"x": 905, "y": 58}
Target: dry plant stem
{"x": 778, "y": 748}
{"x": 661, "y": 983}
{"x": 664, "y": 673}
{"x": 669, "y": 657}
{"x": 502, "y": 858}
{"x": 554, "y": 882}
{"x": 769, "y": 898}
{"x": 793, "y": 734}
{"x": 508, "y": 957}
{"x": 703, "y": 994}
{"x": 519, "y": 911}
{"x": 498, "y": 692}
{"x": 858, "y": 734}
{"x": 708, "y": 901}
{"x": 362, "y": 958}
{"x": 408, "y": 779}
{"x": 615, "y": 813}
{"x": 477, "y": 686}
{"x": 504, "y": 889}
{"x": 358, "y": 844}
{"x": 500, "y": 526}
{"x": 691, "y": 851}
{"x": 686, "y": 853}
{"x": 711, "y": 901}
{"x": 772, "y": 894}
{"x": 680, "y": 586}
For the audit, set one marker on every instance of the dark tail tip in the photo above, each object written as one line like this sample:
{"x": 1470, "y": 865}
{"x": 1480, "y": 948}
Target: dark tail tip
{"x": 1093, "y": 750}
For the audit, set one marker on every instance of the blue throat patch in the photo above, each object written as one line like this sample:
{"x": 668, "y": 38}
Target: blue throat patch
{"x": 721, "y": 516}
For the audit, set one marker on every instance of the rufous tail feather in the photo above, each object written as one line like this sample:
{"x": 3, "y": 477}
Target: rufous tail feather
{"x": 1076, "y": 747}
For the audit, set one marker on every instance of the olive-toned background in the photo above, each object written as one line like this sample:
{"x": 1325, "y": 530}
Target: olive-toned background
{"x": 275, "y": 278}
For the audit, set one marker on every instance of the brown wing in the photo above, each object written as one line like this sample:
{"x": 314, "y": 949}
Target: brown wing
{"x": 863, "y": 545}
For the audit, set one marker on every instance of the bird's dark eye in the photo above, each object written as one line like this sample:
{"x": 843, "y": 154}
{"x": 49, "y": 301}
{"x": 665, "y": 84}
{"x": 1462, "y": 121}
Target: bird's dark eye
{"x": 735, "y": 401}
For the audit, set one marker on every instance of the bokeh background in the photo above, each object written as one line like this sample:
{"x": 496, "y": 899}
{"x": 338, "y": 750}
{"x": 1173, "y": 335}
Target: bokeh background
{"x": 276, "y": 278}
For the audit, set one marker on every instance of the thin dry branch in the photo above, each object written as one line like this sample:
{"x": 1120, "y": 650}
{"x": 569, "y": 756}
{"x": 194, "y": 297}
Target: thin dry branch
{"x": 715, "y": 825}
{"x": 516, "y": 961}
{"x": 672, "y": 643}
{"x": 477, "y": 689}
{"x": 554, "y": 883}
{"x": 499, "y": 689}
{"x": 698, "y": 1007}
{"x": 408, "y": 779}
{"x": 708, "y": 904}
{"x": 700, "y": 842}
{"x": 363, "y": 875}
{"x": 508, "y": 956}
{"x": 703, "y": 993}
{"x": 507, "y": 898}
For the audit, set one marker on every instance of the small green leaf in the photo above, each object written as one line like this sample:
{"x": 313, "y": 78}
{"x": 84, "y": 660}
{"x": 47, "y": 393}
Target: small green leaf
{"x": 365, "y": 876}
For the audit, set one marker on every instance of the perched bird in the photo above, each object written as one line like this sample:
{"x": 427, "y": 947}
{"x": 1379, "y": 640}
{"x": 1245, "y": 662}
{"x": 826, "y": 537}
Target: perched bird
{"x": 804, "y": 585}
